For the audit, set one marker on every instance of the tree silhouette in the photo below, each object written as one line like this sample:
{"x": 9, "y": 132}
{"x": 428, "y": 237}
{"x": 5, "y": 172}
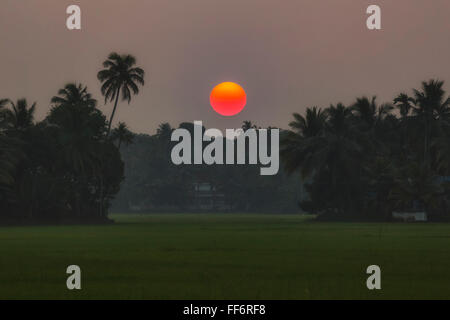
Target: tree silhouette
{"x": 366, "y": 160}
{"x": 20, "y": 116}
{"x": 404, "y": 103}
{"x": 366, "y": 110}
{"x": 72, "y": 95}
{"x": 164, "y": 132}
{"x": 120, "y": 77}
{"x": 430, "y": 106}
{"x": 298, "y": 143}
{"x": 310, "y": 125}
{"x": 122, "y": 134}
{"x": 362, "y": 161}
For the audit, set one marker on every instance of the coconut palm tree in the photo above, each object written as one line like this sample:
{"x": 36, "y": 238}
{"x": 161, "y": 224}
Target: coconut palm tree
{"x": 365, "y": 110}
{"x": 164, "y": 131}
{"x": 332, "y": 155}
{"x": 298, "y": 142}
{"x": 431, "y": 105}
{"x": 333, "y": 146}
{"x": 384, "y": 110}
{"x": 72, "y": 95}
{"x": 431, "y": 100}
{"x": 369, "y": 118}
{"x": 310, "y": 125}
{"x": 20, "y": 116}
{"x": 122, "y": 134}
{"x": 120, "y": 76}
{"x": 404, "y": 103}
{"x": 79, "y": 128}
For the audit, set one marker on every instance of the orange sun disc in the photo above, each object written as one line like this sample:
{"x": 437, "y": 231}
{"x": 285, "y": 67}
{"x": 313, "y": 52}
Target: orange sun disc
{"x": 228, "y": 98}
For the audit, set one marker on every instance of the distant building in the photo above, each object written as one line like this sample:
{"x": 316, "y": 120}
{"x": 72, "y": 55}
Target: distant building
{"x": 410, "y": 216}
{"x": 206, "y": 197}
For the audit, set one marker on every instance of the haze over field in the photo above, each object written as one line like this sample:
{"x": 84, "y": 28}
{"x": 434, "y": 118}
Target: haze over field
{"x": 287, "y": 55}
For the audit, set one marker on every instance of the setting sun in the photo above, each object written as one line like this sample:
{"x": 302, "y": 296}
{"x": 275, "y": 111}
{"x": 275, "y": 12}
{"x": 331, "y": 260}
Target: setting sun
{"x": 228, "y": 98}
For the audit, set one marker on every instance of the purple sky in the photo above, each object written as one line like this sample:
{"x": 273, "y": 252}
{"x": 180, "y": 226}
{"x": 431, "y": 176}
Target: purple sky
{"x": 287, "y": 54}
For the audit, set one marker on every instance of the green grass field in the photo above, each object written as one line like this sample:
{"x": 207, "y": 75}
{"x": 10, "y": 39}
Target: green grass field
{"x": 182, "y": 256}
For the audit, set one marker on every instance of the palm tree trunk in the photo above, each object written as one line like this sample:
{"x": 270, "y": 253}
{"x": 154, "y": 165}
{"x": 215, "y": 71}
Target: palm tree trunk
{"x": 114, "y": 111}
{"x": 101, "y": 205}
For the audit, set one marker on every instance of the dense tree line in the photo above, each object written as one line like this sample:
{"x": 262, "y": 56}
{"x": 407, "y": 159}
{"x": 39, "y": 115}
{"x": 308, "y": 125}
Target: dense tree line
{"x": 66, "y": 167}
{"x": 362, "y": 161}
{"x": 154, "y": 183}
{"x": 366, "y": 160}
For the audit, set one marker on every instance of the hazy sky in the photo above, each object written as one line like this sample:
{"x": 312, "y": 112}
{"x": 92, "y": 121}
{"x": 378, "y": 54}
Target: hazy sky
{"x": 287, "y": 54}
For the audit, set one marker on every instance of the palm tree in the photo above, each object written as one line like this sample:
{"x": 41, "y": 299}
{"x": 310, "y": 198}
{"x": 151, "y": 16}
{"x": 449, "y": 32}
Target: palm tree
{"x": 79, "y": 129}
{"x": 404, "y": 103}
{"x": 332, "y": 155}
{"x": 73, "y": 95}
{"x": 122, "y": 134}
{"x": 365, "y": 110}
{"x": 298, "y": 142}
{"x": 384, "y": 111}
{"x": 430, "y": 100}
{"x": 369, "y": 118}
{"x": 431, "y": 105}
{"x": 119, "y": 76}
{"x": 310, "y": 125}
{"x": 164, "y": 132}
{"x": 163, "y": 139}
{"x": 369, "y": 112}
{"x": 21, "y": 116}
